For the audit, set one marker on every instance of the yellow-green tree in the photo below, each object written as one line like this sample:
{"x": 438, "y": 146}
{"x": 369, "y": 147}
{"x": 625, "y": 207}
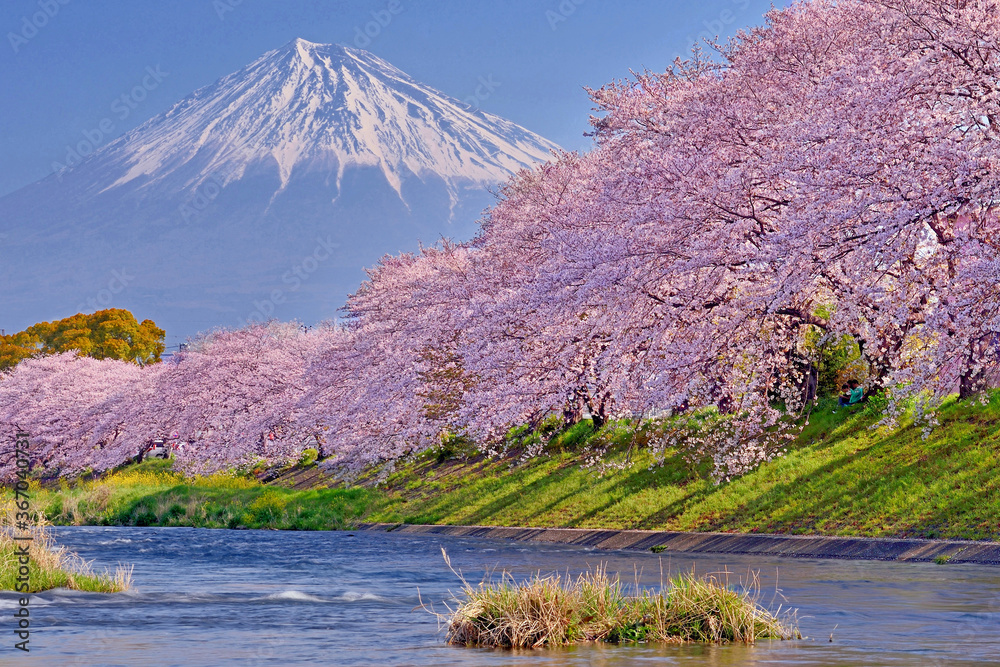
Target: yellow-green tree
{"x": 107, "y": 334}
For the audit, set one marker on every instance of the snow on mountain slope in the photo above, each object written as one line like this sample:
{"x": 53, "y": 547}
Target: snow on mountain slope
{"x": 211, "y": 209}
{"x": 328, "y": 104}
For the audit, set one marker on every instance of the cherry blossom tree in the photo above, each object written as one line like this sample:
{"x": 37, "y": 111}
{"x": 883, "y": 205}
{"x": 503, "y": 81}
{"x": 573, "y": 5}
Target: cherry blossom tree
{"x": 231, "y": 397}
{"x": 395, "y": 382}
{"x": 54, "y": 399}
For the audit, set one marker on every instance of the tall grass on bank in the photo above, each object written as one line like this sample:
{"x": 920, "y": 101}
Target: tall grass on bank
{"x": 51, "y": 566}
{"x": 556, "y": 610}
{"x": 151, "y": 494}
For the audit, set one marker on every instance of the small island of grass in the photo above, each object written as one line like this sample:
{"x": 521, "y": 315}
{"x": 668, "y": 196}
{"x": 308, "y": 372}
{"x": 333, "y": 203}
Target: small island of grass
{"x": 554, "y": 611}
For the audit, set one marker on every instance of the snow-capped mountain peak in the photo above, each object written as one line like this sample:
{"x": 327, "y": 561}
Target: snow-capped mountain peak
{"x": 325, "y": 106}
{"x": 264, "y": 194}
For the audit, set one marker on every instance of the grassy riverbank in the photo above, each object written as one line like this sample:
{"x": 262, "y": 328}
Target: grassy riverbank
{"x": 840, "y": 477}
{"x": 150, "y": 494}
{"x": 48, "y": 566}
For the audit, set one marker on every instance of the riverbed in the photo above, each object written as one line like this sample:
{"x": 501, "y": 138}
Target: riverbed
{"x": 225, "y": 597}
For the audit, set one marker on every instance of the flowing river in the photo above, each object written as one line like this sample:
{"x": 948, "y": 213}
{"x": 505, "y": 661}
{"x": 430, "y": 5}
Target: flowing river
{"x": 223, "y": 597}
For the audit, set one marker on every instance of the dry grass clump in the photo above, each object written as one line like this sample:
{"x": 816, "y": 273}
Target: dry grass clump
{"x": 556, "y": 610}
{"x": 50, "y": 566}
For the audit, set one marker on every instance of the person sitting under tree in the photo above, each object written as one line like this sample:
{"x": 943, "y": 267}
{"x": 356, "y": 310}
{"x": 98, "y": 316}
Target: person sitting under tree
{"x": 857, "y": 392}
{"x": 851, "y": 393}
{"x": 845, "y": 396}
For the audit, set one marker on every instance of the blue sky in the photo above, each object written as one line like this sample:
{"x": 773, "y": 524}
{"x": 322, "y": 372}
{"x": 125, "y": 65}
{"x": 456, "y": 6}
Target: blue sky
{"x": 65, "y": 65}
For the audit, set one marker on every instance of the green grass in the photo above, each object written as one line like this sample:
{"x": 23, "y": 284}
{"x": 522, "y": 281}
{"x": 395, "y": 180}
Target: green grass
{"x": 42, "y": 577}
{"x": 49, "y": 566}
{"x": 840, "y": 476}
{"x": 555, "y": 611}
{"x": 149, "y": 494}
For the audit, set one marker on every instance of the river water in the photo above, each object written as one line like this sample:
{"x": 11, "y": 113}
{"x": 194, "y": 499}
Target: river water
{"x": 222, "y": 597}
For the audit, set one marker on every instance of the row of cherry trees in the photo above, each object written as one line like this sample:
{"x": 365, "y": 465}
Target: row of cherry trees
{"x": 835, "y": 170}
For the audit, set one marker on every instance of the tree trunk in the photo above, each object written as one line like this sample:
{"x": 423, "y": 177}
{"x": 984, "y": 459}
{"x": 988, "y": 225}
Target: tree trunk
{"x": 973, "y": 379}
{"x": 599, "y": 415}
{"x": 967, "y": 386}
{"x": 573, "y": 411}
{"x": 810, "y": 387}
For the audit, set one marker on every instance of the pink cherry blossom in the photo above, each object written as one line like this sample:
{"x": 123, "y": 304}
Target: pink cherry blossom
{"x": 834, "y": 170}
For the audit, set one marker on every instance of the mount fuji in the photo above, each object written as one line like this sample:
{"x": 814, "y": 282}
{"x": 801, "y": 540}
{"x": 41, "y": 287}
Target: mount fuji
{"x": 264, "y": 194}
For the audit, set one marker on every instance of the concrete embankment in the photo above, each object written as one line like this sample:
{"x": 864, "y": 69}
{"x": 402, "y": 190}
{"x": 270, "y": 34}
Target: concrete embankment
{"x": 796, "y": 546}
